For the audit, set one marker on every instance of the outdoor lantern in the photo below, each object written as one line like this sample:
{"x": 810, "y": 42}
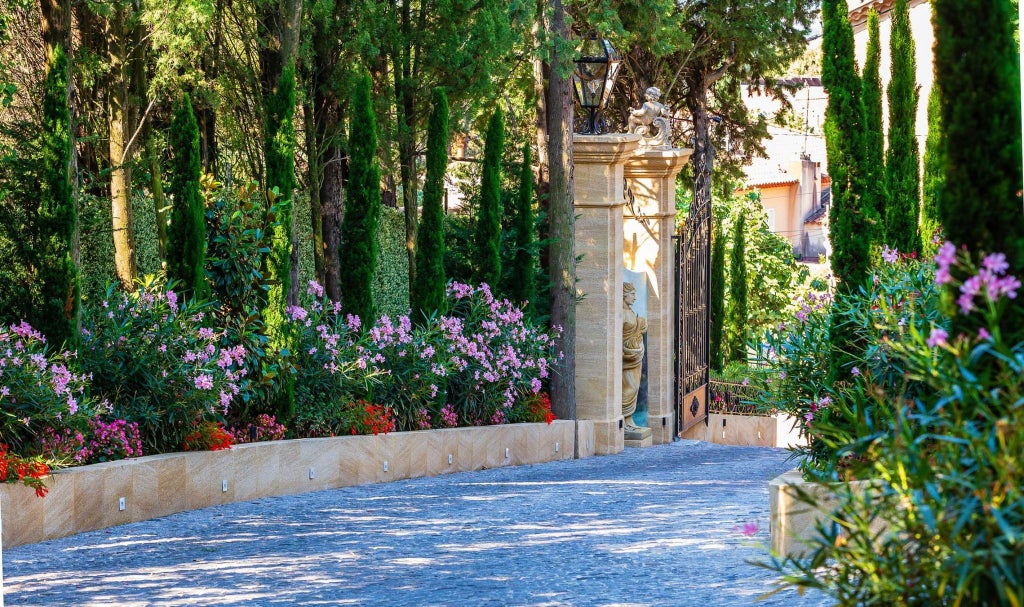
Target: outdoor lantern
{"x": 594, "y": 78}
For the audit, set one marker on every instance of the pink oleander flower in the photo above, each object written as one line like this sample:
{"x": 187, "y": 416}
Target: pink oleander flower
{"x": 890, "y": 255}
{"x": 204, "y": 382}
{"x": 855, "y": 372}
{"x": 748, "y": 529}
{"x": 937, "y": 337}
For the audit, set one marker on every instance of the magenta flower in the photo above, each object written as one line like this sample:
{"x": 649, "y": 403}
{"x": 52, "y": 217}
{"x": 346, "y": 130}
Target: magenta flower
{"x": 937, "y": 337}
{"x": 855, "y": 372}
{"x": 890, "y": 255}
{"x": 748, "y": 529}
{"x": 984, "y": 334}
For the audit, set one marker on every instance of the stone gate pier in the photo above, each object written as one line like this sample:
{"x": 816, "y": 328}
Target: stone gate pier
{"x": 610, "y": 235}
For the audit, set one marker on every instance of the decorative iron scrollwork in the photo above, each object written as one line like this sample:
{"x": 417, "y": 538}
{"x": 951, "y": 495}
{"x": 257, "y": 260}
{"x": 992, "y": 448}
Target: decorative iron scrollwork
{"x": 694, "y": 406}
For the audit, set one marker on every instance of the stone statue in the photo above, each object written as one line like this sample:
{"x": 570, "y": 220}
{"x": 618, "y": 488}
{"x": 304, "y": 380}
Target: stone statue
{"x": 633, "y": 329}
{"x": 651, "y": 120}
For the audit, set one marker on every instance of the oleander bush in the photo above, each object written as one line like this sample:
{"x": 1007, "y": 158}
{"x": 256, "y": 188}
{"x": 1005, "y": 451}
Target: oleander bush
{"x": 154, "y": 358}
{"x": 935, "y": 419}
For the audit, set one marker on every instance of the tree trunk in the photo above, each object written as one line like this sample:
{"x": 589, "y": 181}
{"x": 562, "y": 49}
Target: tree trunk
{"x": 332, "y": 191}
{"x": 406, "y": 135}
{"x": 119, "y": 119}
{"x": 56, "y": 25}
{"x": 314, "y": 176}
{"x": 541, "y": 73}
{"x": 562, "y": 218}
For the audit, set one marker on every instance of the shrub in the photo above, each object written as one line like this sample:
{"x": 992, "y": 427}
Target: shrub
{"x": 947, "y": 494}
{"x": 208, "y": 436}
{"x": 100, "y": 442}
{"x": 362, "y": 417}
{"x": 38, "y": 388}
{"x": 157, "y": 363}
{"x": 263, "y": 428}
{"x": 328, "y": 363}
{"x": 29, "y": 472}
{"x": 900, "y": 297}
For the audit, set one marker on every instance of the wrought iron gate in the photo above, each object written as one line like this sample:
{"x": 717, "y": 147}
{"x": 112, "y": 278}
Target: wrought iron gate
{"x": 693, "y": 319}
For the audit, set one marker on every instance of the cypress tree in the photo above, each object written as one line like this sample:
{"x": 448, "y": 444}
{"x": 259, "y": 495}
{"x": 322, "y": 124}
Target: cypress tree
{"x": 717, "y": 298}
{"x": 934, "y": 168}
{"x": 522, "y": 285}
{"x": 186, "y": 243}
{"x": 57, "y": 221}
{"x": 358, "y": 246}
{"x": 874, "y": 139}
{"x": 279, "y": 149}
{"x": 488, "y": 223}
{"x": 902, "y": 158}
{"x": 738, "y": 292}
{"x": 429, "y": 284}
{"x": 978, "y": 74}
{"x": 849, "y": 220}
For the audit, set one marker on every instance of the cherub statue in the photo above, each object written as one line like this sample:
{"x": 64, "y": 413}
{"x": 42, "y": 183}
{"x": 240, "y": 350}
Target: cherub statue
{"x": 651, "y": 116}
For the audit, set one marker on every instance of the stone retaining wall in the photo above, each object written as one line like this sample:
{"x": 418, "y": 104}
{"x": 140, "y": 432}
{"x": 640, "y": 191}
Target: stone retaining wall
{"x": 747, "y": 431}
{"x": 89, "y": 497}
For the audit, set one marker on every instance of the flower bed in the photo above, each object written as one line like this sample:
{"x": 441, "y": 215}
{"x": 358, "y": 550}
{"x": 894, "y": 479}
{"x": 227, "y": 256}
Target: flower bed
{"x": 87, "y": 497}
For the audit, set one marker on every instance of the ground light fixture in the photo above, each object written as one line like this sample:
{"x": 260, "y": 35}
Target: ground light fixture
{"x": 594, "y": 78}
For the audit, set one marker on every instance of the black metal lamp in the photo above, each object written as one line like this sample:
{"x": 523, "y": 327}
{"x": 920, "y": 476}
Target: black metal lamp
{"x": 594, "y": 78}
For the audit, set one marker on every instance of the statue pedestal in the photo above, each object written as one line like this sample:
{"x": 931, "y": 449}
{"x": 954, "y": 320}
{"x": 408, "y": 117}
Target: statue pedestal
{"x": 638, "y": 437}
{"x": 647, "y": 246}
{"x": 598, "y": 181}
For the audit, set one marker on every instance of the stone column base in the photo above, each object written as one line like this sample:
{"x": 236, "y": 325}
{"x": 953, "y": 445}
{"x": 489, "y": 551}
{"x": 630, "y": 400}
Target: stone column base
{"x": 662, "y": 427}
{"x": 608, "y": 437}
{"x": 647, "y": 441}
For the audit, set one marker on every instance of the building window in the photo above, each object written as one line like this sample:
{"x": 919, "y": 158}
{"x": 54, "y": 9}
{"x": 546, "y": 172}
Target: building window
{"x": 771, "y": 219}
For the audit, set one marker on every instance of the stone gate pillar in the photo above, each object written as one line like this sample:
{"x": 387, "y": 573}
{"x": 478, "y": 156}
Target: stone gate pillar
{"x": 598, "y": 181}
{"x": 647, "y": 246}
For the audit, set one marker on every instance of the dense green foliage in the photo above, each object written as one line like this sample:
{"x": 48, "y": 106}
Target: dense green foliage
{"x": 186, "y": 238}
{"x": 279, "y": 152}
{"x": 875, "y": 193}
{"x": 902, "y": 158}
{"x": 934, "y": 177}
{"x": 522, "y": 277}
{"x": 427, "y": 293}
{"x": 56, "y": 224}
{"x": 924, "y": 416}
{"x": 849, "y": 219}
{"x": 977, "y": 66}
{"x": 716, "y": 353}
{"x": 738, "y": 293}
{"x": 487, "y": 235}
{"x": 391, "y": 278}
{"x": 359, "y": 245}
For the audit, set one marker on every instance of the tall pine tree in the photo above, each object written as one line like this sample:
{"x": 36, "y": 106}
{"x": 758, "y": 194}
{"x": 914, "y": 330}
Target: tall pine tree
{"x": 358, "y": 248}
{"x": 977, "y": 67}
{"x": 57, "y": 221}
{"x": 934, "y": 168}
{"x": 874, "y": 136}
{"x": 738, "y": 292}
{"x": 487, "y": 266}
{"x": 186, "y": 239}
{"x": 717, "y": 298}
{"x": 849, "y": 219}
{"x": 902, "y": 158}
{"x": 429, "y": 282}
{"x": 522, "y": 285}
{"x": 279, "y": 149}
